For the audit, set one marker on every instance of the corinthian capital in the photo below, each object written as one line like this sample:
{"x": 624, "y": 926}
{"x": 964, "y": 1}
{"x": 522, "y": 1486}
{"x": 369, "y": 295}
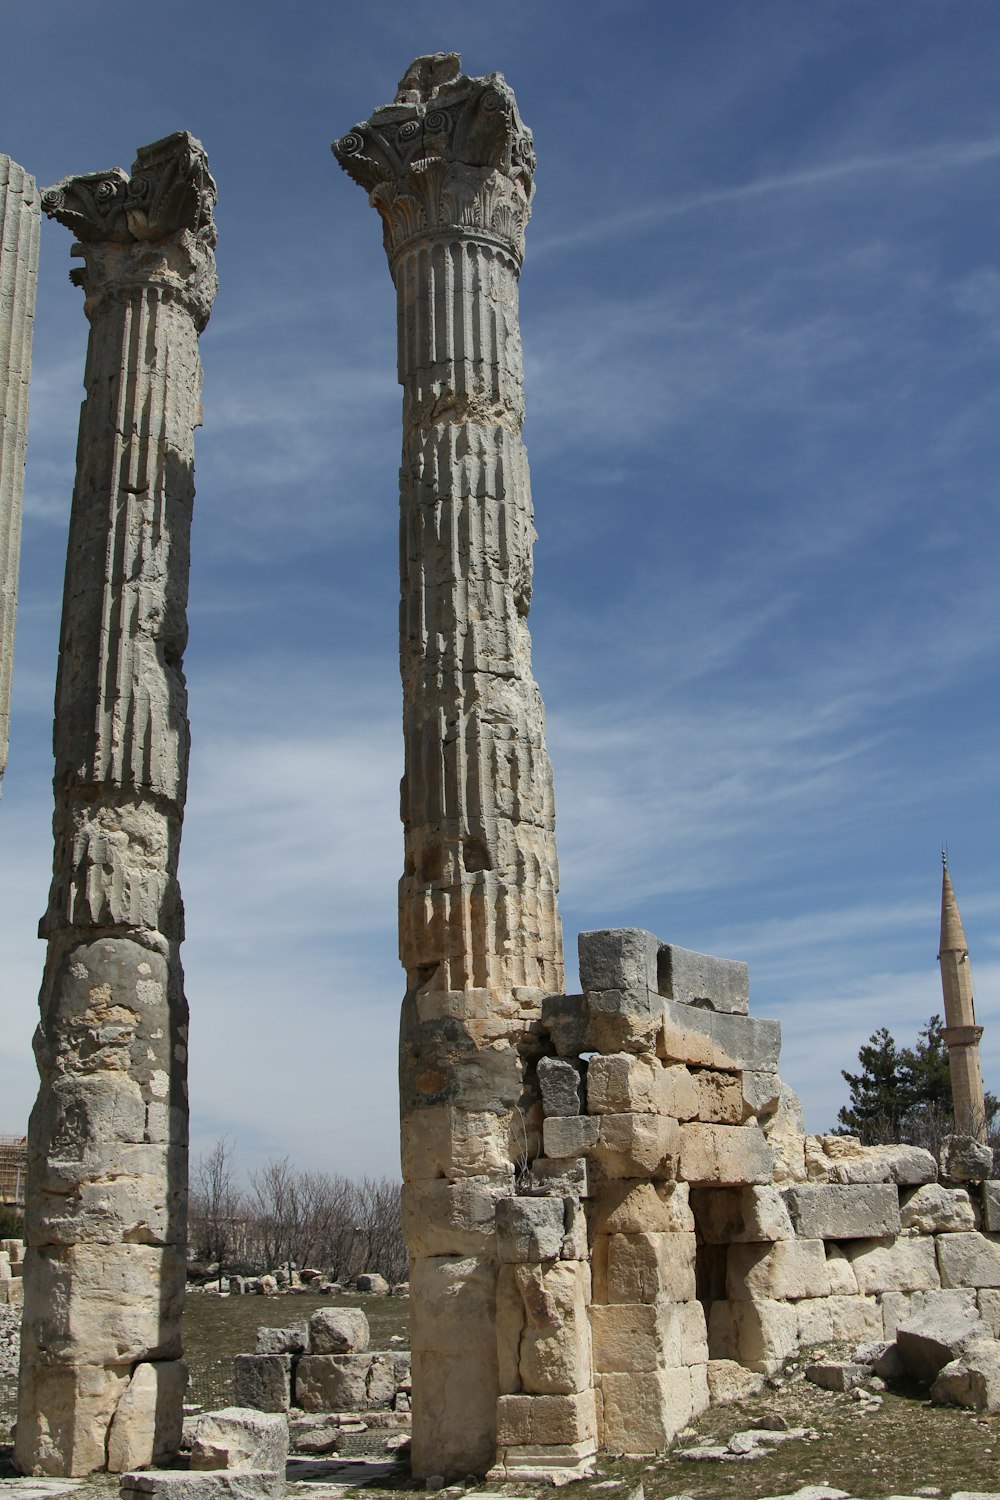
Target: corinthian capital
{"x": 450, "y": 155}
{"x": 170, "y": 190}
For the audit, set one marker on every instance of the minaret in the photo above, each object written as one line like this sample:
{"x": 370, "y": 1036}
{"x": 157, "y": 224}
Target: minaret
{"x": 960, "y": 1030}
{"x": 449, "y": 167}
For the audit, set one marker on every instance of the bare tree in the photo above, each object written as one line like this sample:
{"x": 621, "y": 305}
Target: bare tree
{"x": 217, "y": 1207}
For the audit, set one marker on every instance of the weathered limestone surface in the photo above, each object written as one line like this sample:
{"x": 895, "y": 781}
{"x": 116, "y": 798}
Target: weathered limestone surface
{"x": 449, "y": 167}
{"x": 106, "y": 1202}
{"x": 20, "y": 218}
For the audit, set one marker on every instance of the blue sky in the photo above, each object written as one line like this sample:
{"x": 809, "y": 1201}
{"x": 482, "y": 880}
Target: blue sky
{"x": 761, "y": 322}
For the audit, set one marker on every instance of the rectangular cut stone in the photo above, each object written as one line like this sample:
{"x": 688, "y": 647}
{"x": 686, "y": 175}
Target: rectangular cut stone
{"x": 724, "y": 1154}
{"x": 709, "y": 1039}
{"x": 898, "y": 1307}
{"x": 969, "y": 1260}
{"x": 529, "y": 1229}
{"x": 829, "y": 1211}
{"x": 740, "y": 1215}
{"x": 237, "y": 1438}
{"x": 784, "y": 1271}
{"x": 643, "y": 1411}
{"x": 618, "y": 974}
{"x": 454, "y": 1343}
{"x": 263, "y": 1381}
{"x": 627, "y": 1206}
{"x": 761, "y": 1093}
{"x": 991, "y": 1207}
{"x": 623, "y": 1083}
{"x": 721, "y": 984}
{"x": 148, "y": 1422}
{"x": 333, "y": 1382}
{"x": 560, "y": 1086}
{"x": 543, "y": 1333}
{"x": 569, "y": 1135}
{"x": 453, "y": 1218}
{"x": 825, "y": 1320}
{"x": 906, "y": 1264}
{"x": 720, "y": 1097}
{"x": 524, "y": 1419}
{"x": 644, "y": 1267}
{"x": 760, "y": 1335}
{"x": 567, "y": 1177}
{"x": 636, "y": 1145}
{"x": 217, "y": 1484}
{"x": 442, "y": 1141}
{"x": 636, "y": 1336}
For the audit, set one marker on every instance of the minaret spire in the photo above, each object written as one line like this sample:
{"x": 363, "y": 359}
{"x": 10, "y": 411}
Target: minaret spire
{"x": 961, "y": 1033}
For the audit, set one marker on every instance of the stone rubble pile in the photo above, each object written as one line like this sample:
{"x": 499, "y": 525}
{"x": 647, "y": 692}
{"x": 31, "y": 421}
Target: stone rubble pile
{"x": 10, "y": 1341}
{"x": 321, "y": 1367}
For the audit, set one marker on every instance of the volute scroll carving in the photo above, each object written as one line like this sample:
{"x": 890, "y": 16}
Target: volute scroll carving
{"x": 170, "y": 190}
{"x": 451, "y": 154}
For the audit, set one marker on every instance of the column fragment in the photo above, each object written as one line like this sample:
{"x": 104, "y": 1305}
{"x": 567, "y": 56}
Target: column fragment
{"x": 107, "y": 1176}
{"x": 449, "y": 167}
{"x": 20, "y": 218}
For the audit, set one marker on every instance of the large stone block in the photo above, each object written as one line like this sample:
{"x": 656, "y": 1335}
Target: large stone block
{"x": 720, "y": 1097}
{"x": 721, "y": 984}
{"x": 724, "y": 1155}
{"x": 740, "y": 1215}
{"x": 929, "y": 1340}
{"x": 338, "y": 1330}
{"x": 241, "y": 1439}
{"x": 730, "y": 1383}
{"x": 843, "y": 1159}
{"x": 708, "y": 1039}
{"x": 565, "y": 1019}
{"x": 990, "y": 1199}
{"x": 543, "y": 1333}
{"x": 906, "y": 1264}
{"x": 969, "y": 1260}
{"x": 830, "y": 1211}
{"x": 638, "y": 1336}
{"x": 120, "y": 1304}
{"x": 453, "y": 1218}
{"x": 636, "y": 1145}
{"x": 455, "y": 1375}
{"x": 63, "y": 1417}
{"x": 847, "y": 1319}
{"x": 935, "y": 1209}
{"x": 344, "y": 1382}
{"x": 760, "y": 1335}
{"x": 625, "y": 1083}
{"x": 897, "y": 1307}
{"x": 148, "y": 1421}
{"x": 628, "y": 1206}
{"x": 618, "y": 974}
{"x": 567, "y": 1136}
{"x": 263, "y": 1381}
{"x": 784, "y": 1130}
{"x": 644, "y": 1267}
{"x": 291, "y": 1340}
{"x": 530, "y": 1229}
{"x": 546, "y": 1420}
{"x": 843, "y": 1281}
{"x": 643, "y": 1411}
{"x": 218, "y": 1484}
{"x": 441, "y": 1141}
{"x": 785, "y": 1271}
{"x": 560, "y": 1086}
{"x": 972, "y": 1380}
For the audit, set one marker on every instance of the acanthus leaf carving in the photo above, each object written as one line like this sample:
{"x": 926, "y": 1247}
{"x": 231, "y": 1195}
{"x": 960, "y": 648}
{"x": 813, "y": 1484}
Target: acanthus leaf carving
{"x": 170, "y": 190}
{"x": 456, "y": 145}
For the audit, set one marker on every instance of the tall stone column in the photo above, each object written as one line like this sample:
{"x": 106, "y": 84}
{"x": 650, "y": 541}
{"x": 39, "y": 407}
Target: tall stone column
{"x": 449, "y": 167}
{"x": 961, "y": 1033}
{"x": 107, "y": 1176}
{"x": 19, "y": 224}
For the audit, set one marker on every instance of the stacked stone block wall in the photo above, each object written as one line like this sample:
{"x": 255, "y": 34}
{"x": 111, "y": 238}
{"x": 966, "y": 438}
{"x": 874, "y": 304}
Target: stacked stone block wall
{"x": 679, "y": 1215}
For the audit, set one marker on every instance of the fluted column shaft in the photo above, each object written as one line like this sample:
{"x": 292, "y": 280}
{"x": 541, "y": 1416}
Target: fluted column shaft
{"x": 449, "y": 168}
{"x": 20, "y": 218}
{"x": 107, "y": 1175}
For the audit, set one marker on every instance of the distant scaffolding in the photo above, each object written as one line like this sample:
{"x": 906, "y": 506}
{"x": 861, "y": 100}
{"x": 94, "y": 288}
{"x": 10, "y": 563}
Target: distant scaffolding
{"x": 13, "y": 1167}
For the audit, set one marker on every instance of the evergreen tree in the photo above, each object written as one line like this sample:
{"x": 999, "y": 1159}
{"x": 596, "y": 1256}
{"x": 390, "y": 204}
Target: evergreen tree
{"x": 879, "y": 1093}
